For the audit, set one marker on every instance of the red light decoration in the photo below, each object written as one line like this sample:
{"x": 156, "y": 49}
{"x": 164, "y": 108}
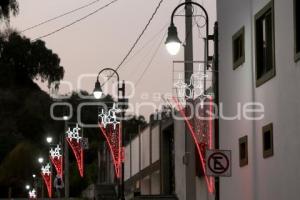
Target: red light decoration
{"x": 47, "y": 177}
{"x": 56, "y": 159}
{"x": 113, "y": 138}
{"x": 74, "y": 140}
{"x": 198, "y": 135}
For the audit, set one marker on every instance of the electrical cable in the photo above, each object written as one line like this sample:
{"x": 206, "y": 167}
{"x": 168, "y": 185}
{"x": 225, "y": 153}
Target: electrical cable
{"x": 150, "y": 40}
{"x": 146, "y": 43}
{"x": 150, "y": 62}
{"x": 59, "y": 16}
{"x": 140, "y": 36}
{"x": 76, "y": 21}
{"x": 136, "y": 41}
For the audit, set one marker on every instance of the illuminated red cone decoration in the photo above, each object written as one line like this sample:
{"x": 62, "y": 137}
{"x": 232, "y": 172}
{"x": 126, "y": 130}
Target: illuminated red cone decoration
{"x": 111, "y": 129}
{"x": 199, "y": 129}
{"x": 47, "y": 176}
{"x": 197, "y": 134}
{"x": 74, "y": 140}
{"x": 57, "y": 159}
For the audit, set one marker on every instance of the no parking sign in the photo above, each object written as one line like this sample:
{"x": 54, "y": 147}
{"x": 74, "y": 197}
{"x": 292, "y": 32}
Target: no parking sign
{"x": 218, "y": 163}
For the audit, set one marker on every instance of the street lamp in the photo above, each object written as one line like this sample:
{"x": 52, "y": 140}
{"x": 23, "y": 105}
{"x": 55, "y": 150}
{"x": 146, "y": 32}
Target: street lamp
{"x": 98, "y": 93}
{"x": 173, "y": 46}
{"x": 40, "y": 160}
{"x": 33, "y": 175}
{"x": 49, "y": 140}
{"x": 98, "y": 90}
{"x": 27, "y": 187}
{"x": 172, "y": 42}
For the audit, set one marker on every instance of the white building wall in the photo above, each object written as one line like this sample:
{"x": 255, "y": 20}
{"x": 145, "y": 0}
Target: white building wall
{"x": 127, "y": 162}
{"x": 155, "y": 147}
{"x": 155, "y": 183}
{"x": 277, "y": 177}
{"x": 179, "y": 143}
{"x": 135, "y": 156}
{"x": 145, "y": 148}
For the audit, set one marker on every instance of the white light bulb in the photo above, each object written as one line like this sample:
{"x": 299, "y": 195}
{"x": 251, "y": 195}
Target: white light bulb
{"x": 173, "y": 48}
{"x": 41, "y": 160}
{"x": 97, "y": 94}
{"x": 49, "y": 139}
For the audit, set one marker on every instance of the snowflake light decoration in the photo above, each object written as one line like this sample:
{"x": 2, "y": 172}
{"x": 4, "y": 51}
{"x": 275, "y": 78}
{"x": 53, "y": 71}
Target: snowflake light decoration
{"x": 57, "y": 159}
{"x": 47, "y": 176}
{"x": 111, "y": 129}
{"x": 46, "y": 169}
{"x": 110, "y": 117}
{"x": 56, "y": 152}
{"x": 74, "y": 140}
{"x": 74, "y": 134}
{"x": 194, "y": 88}
{"x": 32, "y": 194}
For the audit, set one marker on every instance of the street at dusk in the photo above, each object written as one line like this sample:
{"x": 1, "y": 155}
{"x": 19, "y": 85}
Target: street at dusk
{"x": 149, "y": 99}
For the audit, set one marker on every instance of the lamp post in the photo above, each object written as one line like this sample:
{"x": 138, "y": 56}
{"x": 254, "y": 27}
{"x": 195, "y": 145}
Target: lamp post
{"x": 173, "y": 45}
{"x": 172, "y": 42}
{"x": 41, "y": 161}
{"x": 98, "y": 93}
{"x": 66, "y": 157}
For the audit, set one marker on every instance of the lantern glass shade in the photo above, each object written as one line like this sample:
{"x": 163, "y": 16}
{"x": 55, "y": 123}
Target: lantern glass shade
{"x": 173, "y": 48}
{"x": 98, "y": 90}
{"x": 173, "y": 43}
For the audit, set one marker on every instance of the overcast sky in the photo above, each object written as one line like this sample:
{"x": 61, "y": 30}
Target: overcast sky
{"x": 102, "y": 40}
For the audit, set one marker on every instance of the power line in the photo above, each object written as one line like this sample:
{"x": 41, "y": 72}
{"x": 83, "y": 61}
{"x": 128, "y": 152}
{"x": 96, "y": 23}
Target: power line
{"x": 141, "y": 34}
{"x": 150, "y": 62}
{"x": 136, "y": 41}
{"x": 150, "y": 40}
{"x": 146, "y": 43}
{"x": 76, "y": 21}
{"x": 59, "y": 16}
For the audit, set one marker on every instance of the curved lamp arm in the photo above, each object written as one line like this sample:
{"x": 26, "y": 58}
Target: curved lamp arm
{"x": 98, "y": 90}
{"x": 206, "y": 21}
{"x": 111, "y": 69}
{"x": 189, "y": 3}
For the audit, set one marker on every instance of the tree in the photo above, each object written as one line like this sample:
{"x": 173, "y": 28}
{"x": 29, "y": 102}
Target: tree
{"x": 17, "y": 167}
{"x": 8, "y": 7}
{"x": 27, "y": 60}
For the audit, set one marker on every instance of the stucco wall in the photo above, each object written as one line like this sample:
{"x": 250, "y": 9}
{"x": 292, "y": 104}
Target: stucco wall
{"x": 277, "y": 177}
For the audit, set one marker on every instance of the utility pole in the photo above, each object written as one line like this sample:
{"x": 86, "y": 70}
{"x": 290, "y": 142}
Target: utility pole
{"x": 66, "y": 156}
{"x": 123, "y": 140}
{"x": 217, "y": 101}
{"x": 188, "y": 71}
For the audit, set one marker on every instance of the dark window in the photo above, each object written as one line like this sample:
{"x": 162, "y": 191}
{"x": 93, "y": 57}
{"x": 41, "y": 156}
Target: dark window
{"x": 268, "y": 140}
{"x": 297, "y": 28}
{"x": 243, "y": 148}
{"x": 238, "y": 48}
{"x": 264, "y": 35}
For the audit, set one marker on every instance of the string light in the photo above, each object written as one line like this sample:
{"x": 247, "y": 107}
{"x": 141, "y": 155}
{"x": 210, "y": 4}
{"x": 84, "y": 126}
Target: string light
{"x": 74, "y": 140}
{"x": 57, "y": 159}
